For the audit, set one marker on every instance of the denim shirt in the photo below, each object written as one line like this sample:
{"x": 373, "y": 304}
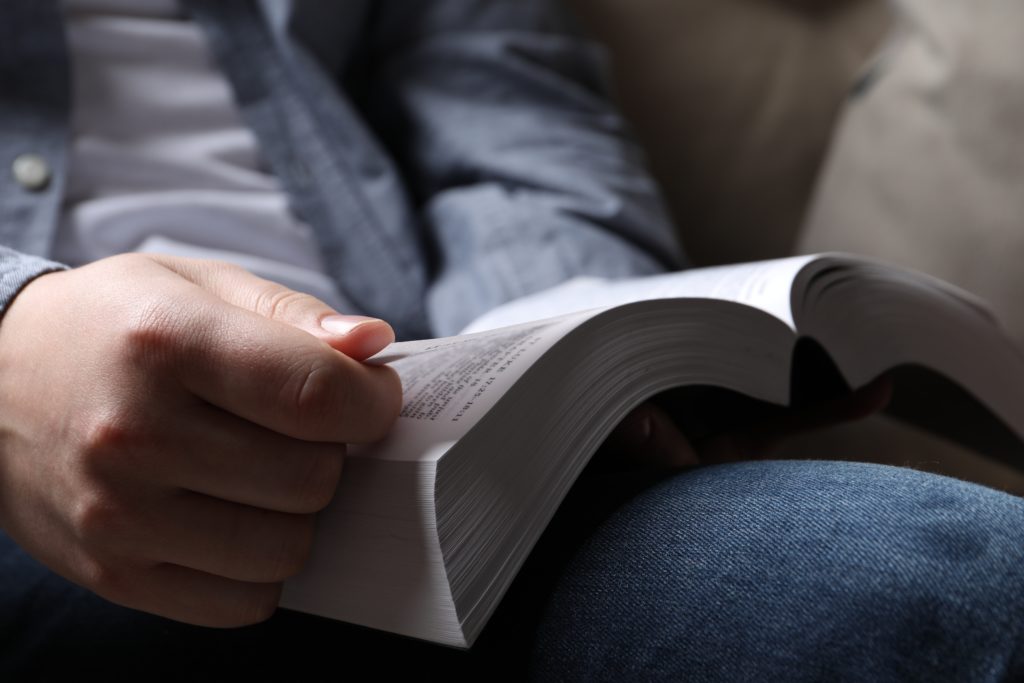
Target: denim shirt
{"x": 449, "y": 155}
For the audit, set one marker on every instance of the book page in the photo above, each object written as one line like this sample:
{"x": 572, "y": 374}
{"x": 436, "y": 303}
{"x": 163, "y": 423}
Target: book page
{"x": 763, "y": 284}
{"x": 449, "y": 383}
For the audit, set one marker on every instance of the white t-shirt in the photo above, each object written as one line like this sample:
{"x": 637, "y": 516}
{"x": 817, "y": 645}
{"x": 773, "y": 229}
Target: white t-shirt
{"x": 161, "y": 160}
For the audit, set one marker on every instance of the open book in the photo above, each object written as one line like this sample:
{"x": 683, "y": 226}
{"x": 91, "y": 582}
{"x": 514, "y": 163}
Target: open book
{"x": 429, "y": 527}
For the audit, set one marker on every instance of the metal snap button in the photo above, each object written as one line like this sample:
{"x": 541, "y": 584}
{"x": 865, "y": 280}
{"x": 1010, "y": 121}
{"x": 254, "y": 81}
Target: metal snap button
{"x": 32, "y": 172}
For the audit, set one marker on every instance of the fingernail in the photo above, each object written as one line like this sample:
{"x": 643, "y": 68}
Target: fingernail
{"x": 344, "y": 324}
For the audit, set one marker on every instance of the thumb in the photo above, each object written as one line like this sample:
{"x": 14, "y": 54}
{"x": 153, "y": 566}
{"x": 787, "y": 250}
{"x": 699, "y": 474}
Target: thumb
{"x": 356, "y": 336}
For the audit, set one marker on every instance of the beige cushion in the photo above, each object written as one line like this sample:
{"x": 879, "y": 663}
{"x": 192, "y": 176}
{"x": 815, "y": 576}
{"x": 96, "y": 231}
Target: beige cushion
{"x": 735, "y": 101}
{"x": 927, "y": 168}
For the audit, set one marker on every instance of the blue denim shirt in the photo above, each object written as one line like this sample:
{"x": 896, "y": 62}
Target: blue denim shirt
{"x": 449, "y": 155}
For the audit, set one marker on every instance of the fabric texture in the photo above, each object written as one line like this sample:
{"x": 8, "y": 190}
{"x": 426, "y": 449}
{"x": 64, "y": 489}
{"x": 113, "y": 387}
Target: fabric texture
{"x": 17, "y": 270}
{"x": 160, "y": 157}
{"x": 494, "y": 165}
{"x": 33, "y": 117}
{"x": 795, "y": 571}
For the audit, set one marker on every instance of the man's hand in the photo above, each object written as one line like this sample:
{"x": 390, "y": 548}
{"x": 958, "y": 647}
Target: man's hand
{"x": 719, "y": 427}
{"x": 648, "y": 436}
{"x": 169, "y": 426}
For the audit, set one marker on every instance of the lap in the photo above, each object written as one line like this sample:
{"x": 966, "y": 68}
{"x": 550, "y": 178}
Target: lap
{"x": 797, "y": 569}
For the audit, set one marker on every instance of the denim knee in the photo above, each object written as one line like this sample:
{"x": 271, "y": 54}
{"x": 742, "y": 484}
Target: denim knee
{"x": 795, "y": 571}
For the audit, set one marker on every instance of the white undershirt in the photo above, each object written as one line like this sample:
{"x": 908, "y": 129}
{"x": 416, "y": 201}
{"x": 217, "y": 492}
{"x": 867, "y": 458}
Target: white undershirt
{"x": 160, "y": 158}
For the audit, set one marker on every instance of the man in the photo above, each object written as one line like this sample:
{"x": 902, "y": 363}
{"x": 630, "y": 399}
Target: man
{"x": 170, "y": 425}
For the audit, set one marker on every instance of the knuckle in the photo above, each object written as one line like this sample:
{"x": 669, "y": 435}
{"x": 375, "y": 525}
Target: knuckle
{"x": 322, "y": 398}
{"x": 153, "y": 335}
{"x": 98, "y": 517}
{"x": 317, "y": 479}
{"x": 275, "y": 302}
{"x": 110, "y": 441}
{"x": 257, "y": 606}
{"x": 316, "y": 390}
{"x": 370, "y": 416}
{"x": 101, "y": 577}
{"x": 312, "y": 394}
{"x": 293, "y": 548}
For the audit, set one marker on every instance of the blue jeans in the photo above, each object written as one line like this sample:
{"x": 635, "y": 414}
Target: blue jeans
{"x": 752, "y": 571}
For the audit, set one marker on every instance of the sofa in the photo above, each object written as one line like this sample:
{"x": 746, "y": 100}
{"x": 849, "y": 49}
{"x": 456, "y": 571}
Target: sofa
{"x": 794, "y": 126}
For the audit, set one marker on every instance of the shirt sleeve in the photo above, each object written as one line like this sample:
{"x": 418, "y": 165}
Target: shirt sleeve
{"x": 17, "y": 270}
{"x": 524, "y": 173}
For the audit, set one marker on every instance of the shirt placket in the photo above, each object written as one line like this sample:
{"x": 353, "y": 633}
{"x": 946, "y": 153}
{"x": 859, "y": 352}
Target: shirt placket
{"x": 35, "y": 95}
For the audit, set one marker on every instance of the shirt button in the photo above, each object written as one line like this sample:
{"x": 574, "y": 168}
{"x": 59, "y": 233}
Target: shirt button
{"x": 32, "y": 172}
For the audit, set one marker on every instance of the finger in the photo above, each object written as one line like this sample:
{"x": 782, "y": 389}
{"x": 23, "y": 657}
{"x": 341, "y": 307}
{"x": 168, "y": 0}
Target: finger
{"x": 657, "y": 441}
{"x": 759, "y": 440}
{"x": 356, "y": 336}
{"x": 247, "y": 464}
{"x": 647, "y": 436}
{"x": 267, "y": 372}
{"x": 212, "y": 452}
{"x": 854, "y": 405}
{"x": 216, "y": 537}
{"x": 195, "y": 597}
{"x": 867, "y": 400}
